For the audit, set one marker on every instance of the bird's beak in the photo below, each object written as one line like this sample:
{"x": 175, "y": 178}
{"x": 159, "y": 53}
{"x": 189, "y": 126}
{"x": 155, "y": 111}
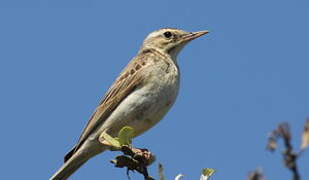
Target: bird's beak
{"x": 193, "y": 35}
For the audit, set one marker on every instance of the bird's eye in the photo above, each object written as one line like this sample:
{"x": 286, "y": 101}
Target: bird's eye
{"x": 167, "y": 34}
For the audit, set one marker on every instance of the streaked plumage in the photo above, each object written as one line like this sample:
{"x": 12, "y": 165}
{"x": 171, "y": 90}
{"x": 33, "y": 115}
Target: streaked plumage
{"x": 140, "y": 97}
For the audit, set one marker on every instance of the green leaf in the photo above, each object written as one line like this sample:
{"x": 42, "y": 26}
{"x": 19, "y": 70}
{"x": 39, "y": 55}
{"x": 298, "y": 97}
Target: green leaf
{"x": 206, "y": 173}
{"x": 113, "y": 141}
{"x": 125, "y": 135}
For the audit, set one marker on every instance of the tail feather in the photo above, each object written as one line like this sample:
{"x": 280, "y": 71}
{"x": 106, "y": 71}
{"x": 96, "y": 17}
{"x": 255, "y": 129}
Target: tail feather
{"x": 69, "y": 154}
{"x": 70, "y": 166}
{"x": 76, "y": 158}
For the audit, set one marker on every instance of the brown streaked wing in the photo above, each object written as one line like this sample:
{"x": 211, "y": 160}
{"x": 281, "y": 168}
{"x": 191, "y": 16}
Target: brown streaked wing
{"x": 121, "y": 88}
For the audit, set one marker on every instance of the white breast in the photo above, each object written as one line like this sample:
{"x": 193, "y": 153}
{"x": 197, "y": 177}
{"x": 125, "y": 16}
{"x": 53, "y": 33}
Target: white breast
{"x": 147, "y": 105}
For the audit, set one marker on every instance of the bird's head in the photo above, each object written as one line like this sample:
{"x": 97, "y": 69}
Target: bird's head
{"x": 170, "y": 41}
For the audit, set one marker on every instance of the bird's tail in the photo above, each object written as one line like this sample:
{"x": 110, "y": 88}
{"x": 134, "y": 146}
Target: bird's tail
{"x": 70, "y": 166}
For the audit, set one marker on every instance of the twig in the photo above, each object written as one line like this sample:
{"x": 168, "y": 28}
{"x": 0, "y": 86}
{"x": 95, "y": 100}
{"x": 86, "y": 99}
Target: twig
{"x": 134, "y": 159}
{"x": 289, "y": 156}
{"x": 160, "y": 169}
{"x": 256, "y": 175}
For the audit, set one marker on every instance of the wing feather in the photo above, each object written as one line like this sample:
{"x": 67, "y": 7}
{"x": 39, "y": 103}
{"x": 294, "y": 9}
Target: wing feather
{"x": 127, "y": 82}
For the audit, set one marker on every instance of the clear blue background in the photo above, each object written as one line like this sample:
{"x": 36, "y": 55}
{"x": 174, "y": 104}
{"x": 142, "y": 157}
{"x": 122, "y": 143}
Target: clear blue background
{"x": 57, "y": 58}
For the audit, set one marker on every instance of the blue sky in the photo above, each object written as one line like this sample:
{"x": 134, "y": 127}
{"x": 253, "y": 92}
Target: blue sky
{"x": 249, "y": 74}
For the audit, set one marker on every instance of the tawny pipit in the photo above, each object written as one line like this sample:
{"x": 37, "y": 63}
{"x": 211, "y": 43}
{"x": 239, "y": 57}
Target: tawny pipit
{"x": 140, "y": 97}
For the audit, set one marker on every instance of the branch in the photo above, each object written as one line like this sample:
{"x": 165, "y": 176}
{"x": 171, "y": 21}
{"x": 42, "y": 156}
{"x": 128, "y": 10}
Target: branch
{"x": 256, "y": 175}
{"x": 289, "y": 156}
{"x": 136, "y": 159}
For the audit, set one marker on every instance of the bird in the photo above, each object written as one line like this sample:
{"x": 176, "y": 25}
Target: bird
{"x": 142, "y": 94}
